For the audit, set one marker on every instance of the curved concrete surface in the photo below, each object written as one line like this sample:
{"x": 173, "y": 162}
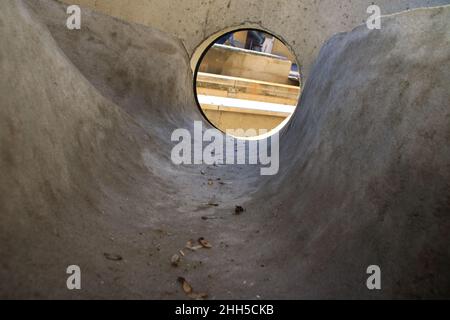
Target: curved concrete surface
{"x": 86, "y": 177}
{"x": 303, "y": 24}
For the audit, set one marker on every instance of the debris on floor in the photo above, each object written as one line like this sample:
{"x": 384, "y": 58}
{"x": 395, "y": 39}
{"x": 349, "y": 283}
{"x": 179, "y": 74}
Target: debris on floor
{"x": 204, "y": 243}
{"x": 198, "y": 296}
{"x": 211, "y": 218}
{"x": 213, "y": 204}
{"x": 113, "y": 257}
{"x": 189, "y": 291}
{"x": 239, "y": 210}
{"x": 187, "y": 288}
{"x": 175, "y": 260}
{"x": 190, "y": 245}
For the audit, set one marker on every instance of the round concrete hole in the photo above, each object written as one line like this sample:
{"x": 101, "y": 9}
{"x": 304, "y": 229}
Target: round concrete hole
{"x": 247, "y": 83}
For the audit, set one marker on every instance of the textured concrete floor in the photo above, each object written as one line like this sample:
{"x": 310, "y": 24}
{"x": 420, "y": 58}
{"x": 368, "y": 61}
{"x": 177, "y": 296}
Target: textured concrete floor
{"x": 85, "y": 125}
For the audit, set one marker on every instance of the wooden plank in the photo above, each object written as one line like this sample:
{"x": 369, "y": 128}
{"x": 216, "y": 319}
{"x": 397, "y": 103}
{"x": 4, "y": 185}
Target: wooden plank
{"x": 247, "y": 111}
{"x": 237, "y": 62}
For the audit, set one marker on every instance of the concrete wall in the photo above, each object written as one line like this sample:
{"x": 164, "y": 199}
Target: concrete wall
{"x": 364, "y": 168}
{"x": 304, "y": 24}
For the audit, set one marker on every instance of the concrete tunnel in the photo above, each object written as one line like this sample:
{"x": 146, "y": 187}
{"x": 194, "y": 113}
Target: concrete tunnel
{"x": 86, "y": 176}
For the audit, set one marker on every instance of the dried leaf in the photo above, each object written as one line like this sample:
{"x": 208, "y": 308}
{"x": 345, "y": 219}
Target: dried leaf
{"x": 186, "y": 286}
{"x": 190, "y": 246}
{"x": 212, "y": 204}
{"x": 239, "y": 210}
{"x": 204, "y": 243}
{"x": 175, "y": 260}
{"x": 210, "y": 218}
{"x": 113, "y": 257}
{"x": 198, "y": 296}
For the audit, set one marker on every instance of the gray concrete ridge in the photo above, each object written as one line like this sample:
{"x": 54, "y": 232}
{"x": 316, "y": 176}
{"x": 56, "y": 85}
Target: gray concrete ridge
{"x": 86, "y": 177}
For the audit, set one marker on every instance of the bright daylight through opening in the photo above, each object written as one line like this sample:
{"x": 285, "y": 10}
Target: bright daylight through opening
{"x": 248, "y": 80}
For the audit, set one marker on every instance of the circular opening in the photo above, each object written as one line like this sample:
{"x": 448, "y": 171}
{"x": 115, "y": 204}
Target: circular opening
{"x": 247, "y": 83}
